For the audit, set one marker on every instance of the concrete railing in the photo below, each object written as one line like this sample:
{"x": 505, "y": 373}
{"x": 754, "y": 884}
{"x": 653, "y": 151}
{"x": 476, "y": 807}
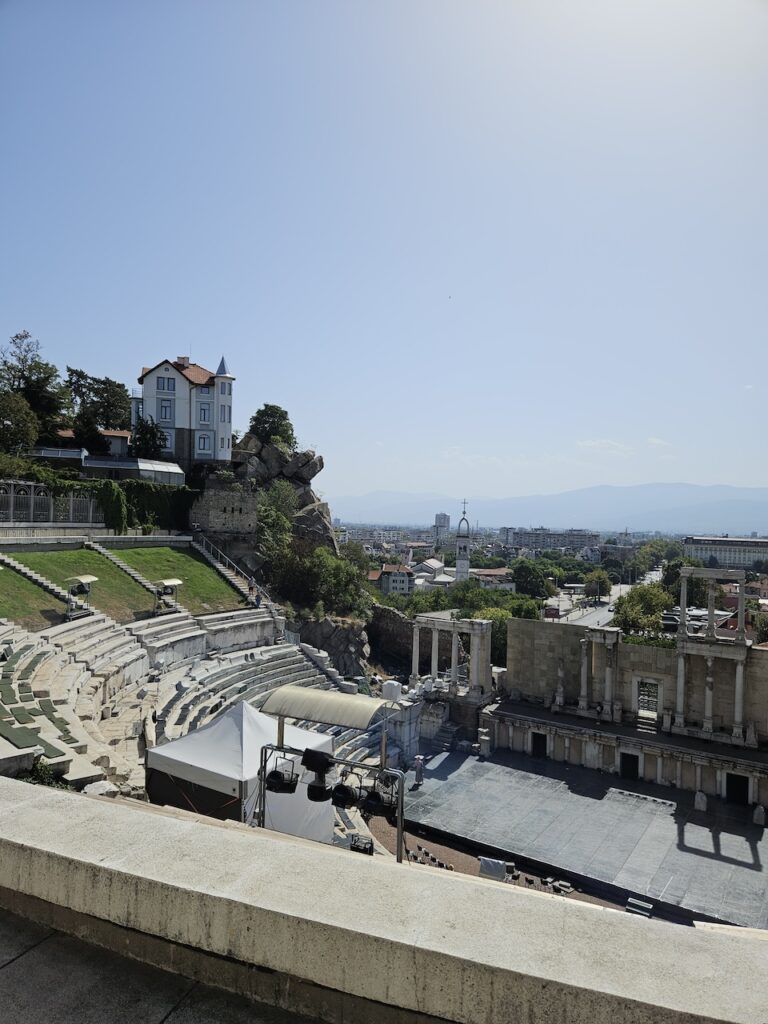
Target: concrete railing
{"x": 342, "y": 937}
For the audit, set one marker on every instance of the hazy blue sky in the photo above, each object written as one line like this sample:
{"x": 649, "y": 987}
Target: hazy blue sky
{"x": 475, "y": 248}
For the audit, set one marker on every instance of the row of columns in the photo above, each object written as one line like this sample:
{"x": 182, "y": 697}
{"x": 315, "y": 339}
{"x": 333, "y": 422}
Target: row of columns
{"x": 711, "y": 631}
{"x": 709, "y": 692}
{"x": 474, "y": 654}
{"x": 607, "y": 679}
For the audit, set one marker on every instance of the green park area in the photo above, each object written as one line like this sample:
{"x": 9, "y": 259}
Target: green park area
{"x": 116, "y": 593}
{"x": 202, "y": 590}
{"x": 26, "y": 604}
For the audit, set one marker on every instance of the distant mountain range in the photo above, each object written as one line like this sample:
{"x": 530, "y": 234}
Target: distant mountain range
{"x": 671, "y": 508}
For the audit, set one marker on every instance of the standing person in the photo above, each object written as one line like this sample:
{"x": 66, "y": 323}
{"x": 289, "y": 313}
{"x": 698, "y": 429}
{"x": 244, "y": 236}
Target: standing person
{"x": 251, "y": 588}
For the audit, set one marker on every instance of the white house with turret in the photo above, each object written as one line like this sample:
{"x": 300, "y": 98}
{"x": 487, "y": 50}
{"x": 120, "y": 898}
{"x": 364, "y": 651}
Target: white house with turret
{"x": 192, "y": 405}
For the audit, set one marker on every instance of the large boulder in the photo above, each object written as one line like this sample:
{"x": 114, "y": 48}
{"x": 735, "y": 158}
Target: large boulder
{"x": 313, "y": 524}
{"x": 297, "y": 461}
{"x": 273, "y": 459}
{"x": 247, "y": 445}
{"x": 345, "y": 643}
{"x": 309, "y": 470}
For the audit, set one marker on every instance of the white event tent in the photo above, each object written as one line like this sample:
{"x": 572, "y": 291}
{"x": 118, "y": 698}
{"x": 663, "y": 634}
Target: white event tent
{"x": 214, "y": 771}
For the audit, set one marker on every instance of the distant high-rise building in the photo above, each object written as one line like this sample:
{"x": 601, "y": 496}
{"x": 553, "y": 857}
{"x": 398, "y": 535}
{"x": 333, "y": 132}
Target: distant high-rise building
{"x": 441, "y": 528}
{"x": 462, "y": 547}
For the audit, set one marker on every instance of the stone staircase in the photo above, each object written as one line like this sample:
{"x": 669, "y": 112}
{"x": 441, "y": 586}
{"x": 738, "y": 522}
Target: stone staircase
{"x": 175, "y": 606}
{"x": 37, "y": 579}
{"x": 236, "y": 578}
{"x": 445, "y": 738}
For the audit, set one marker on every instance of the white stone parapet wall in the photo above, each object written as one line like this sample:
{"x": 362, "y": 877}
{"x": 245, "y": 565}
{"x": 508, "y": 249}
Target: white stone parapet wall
{"x": 426, "y": 942}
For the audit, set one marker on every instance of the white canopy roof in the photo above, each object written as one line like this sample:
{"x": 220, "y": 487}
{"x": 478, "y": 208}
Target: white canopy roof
{"x": 227, "y": 751}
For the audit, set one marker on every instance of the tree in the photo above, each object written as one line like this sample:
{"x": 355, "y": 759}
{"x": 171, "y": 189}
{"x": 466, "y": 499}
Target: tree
{"x": 276, "y": 506}
{"x": 697, "y": 593}
{"x": 761, "y": 629}
{"x": 107, "y": 399}
{"x": 18, "y": 424}
{"x": 25, "y": 373}
{"x": 148, "y": 440}
{"x": 529, "y": 579}
{"x": 87, "y": 434}
{"x": 597, "y": 583}
{"x": 641, "y": 609}
{"x": 271, "y": 423}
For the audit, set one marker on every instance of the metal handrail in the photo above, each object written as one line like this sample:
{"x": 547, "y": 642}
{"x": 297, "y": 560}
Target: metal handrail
{"x": 219, "y": 555}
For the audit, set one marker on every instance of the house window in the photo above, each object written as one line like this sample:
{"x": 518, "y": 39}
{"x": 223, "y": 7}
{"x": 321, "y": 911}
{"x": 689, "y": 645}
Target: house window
{"x": 221, "y": 443}
{"x": 166, "y": 442}
{"x": 165, "y": 410}
{"x": 205, "y": 413}
{"x": 161, "y": 383}
{"x": 228, "y": 441}
{"x": 223, "y": 388}
{"x": 223, "y": 414}
{"x": 229, "y": 414}
{"x": 204, "y": 443}
{"x": 205, "y": 390}
{"x": 170, "y": 384}
{"x": 229, "y": 389}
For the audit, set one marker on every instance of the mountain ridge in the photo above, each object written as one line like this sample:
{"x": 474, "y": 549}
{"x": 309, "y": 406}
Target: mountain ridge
{"x": 668, "y": 507}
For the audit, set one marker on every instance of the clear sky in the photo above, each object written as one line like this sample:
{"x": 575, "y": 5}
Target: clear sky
{"x": 473, "y": 248}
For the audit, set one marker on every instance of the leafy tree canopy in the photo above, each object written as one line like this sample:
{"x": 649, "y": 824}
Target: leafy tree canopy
{"x": 641, "y": 609}
{"x": 107, "y": 400}
{"x": 271, "y": 423}
{"x": 597, "y": 584}
{"x": 148, "y": 440}
{"x": 24, "y": 372}
{"x": 86, "y": 432}
{"x": 18, "y": 424}
{"x": 529, "y": 578}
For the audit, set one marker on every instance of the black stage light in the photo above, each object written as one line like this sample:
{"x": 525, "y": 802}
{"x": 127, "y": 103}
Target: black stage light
{"x": 282, "y": 779}
{"x": 317, "y": 761}
{"x": 317, "y": 791}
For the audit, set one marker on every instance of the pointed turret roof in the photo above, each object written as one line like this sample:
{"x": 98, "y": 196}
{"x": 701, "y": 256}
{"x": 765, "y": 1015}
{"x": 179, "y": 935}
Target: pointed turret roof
{"x": 223, "y": 370}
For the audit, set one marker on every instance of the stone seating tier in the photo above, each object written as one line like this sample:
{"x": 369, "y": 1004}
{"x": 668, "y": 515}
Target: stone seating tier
{"x": 238, "y": 681}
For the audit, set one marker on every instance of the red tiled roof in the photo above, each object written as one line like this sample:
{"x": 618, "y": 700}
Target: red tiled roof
{"x": 194, "y": 373}
{"x": 397, "y": 568}
{"x": 104, "y": 433}
{"x": 374, "y": 575}
{"x": 491, "y": 572}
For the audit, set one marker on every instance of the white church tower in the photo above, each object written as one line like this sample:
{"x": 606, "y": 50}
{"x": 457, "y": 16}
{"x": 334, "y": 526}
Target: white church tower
{"x": 462, "y": 547}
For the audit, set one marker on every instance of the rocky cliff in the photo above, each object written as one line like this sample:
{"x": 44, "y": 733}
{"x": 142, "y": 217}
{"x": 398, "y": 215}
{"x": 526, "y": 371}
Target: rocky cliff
{"x": 344, "y": 642}
{"x": 263, "y": 464}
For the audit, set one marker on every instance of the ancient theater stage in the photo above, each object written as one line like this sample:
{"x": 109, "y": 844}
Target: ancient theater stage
{"x": 647, "y": 840}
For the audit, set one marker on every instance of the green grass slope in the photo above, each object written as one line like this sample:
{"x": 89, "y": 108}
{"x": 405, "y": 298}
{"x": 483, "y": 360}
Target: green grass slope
{"x": 116, "y": 593}
{"x": 203, "y": 590}
{"x": 27, "y": 604}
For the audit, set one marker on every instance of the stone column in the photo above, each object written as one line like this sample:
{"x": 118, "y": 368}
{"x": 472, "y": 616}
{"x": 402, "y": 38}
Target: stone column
{"x": 740, "y": 629}
{"x": 680, "y": 701}
{"x": 455, "y": 656}
{"x": 583, "y": 696}
{"x": 608, "y": 692}
{"x": 709, "y": 690}
{"x": 474, "y": 661}
{"x": 435, "y": 651}
{"x": 683, "y": 624}
{"x": 711, "y": 631}
{"x": 415, "y": 654}
{"x": 738, "y": 702}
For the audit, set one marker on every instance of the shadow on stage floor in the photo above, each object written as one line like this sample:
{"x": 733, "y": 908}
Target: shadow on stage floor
{"x": 644, "y": 838}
